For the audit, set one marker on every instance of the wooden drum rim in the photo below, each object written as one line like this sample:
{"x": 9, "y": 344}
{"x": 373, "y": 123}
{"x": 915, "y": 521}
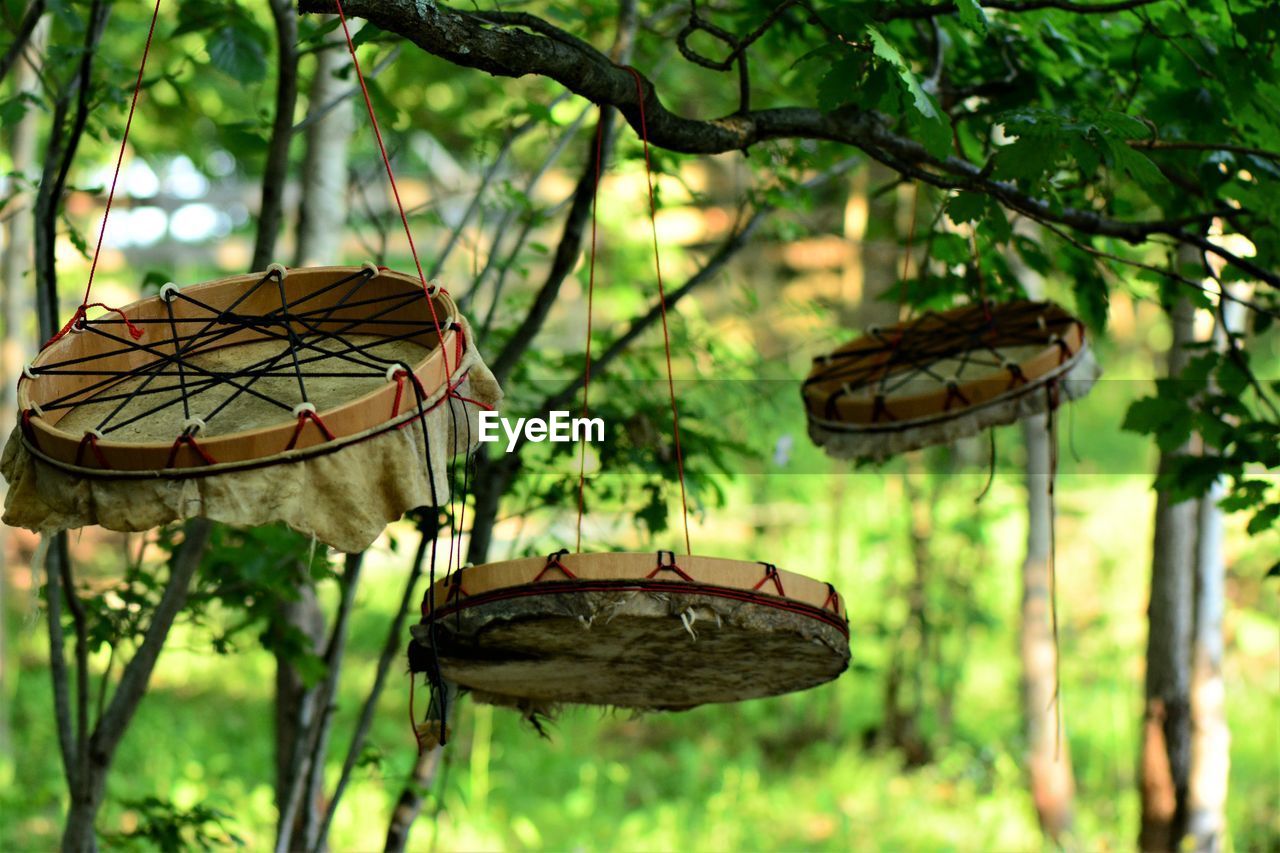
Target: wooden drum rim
{"x": 361, "y": 417}
{"x": 828, "y": 404}
{"x": 663, "y": 571}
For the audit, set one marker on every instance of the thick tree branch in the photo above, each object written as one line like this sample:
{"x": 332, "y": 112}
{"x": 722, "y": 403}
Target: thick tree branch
{"x": 471, "y": 40}
{"x": 931, "y": 10}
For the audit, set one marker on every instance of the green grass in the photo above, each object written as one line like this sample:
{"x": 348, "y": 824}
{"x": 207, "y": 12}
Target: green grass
{"x": 784, "y": 773}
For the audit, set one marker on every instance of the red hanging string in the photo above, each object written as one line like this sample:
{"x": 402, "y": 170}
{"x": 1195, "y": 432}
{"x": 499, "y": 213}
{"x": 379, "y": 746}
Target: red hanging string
{"x": 662, "y": 304}
{"x": 391, "y": 178}
{"x": 591, "y": 290}
{"x": 111, "y": 194}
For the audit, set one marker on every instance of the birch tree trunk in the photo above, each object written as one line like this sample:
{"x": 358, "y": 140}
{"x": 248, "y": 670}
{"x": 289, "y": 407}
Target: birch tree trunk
{"x": 1166, "y": 723}
{"x": 1048, "y": 754}
{"x": 1210, "y": 735}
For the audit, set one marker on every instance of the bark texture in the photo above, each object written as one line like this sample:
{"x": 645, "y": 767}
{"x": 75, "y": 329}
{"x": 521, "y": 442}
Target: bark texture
{"x": 1049, "y": 769}
{"x": 1166, "y": 724}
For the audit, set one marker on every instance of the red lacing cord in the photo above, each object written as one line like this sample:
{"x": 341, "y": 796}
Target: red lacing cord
{"x": 770, "y": 574}
{"x": 391, "y": 178}
{"x": 304, "y": 416}
{"x": 591, "y": 292}
{"x": 27, "y": 430}
{"x": 668, "y": 567}
{"x": 90, "y": 440}
{"x": 662, "y": 304}
{"x": 553, "y": 563}
{"x": 190, "y": 441}
{"x": 111, "y": 193}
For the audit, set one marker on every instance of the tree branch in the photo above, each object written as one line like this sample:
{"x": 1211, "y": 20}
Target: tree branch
{"x": 567, "y": 252}
{"x": 55, "y": 555}
{"x": 21, "y": 36}
{"x": 271, "y": 213}
{"x": 395, "y": 636}
{"x": 570, "y": 245}
{"x": 137, "y": 672}
{"x": 472, "y": 41}
{"x": 896, "y": 13}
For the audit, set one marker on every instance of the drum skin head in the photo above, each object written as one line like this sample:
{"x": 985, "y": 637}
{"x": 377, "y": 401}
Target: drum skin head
{"x": 610, "y": 634}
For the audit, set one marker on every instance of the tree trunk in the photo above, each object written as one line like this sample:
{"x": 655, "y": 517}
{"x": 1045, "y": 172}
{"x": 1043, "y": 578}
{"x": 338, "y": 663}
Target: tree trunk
{"x": 322, "y": 217}
{"x": 410, "y": 802}
{"x": 15, "y": 302}
{"x": 322, "y": 209}
{"x": 1048, "y": 754}
{"x": 1210, "y": 735}
{"x": 1166, "y": 726}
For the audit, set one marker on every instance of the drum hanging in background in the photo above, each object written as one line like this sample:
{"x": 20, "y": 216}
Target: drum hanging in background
{"x": 323, "y": 398}
{"x": 944, "y": 376}
{"x": 630, "y": 630}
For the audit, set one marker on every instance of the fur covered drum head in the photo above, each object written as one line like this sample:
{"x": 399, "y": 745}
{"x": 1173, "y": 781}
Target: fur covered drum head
{"x": 943, "y": 376}
{"x": 631, "y": 630}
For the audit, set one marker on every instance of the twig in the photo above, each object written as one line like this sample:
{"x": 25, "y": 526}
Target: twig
{"x": 318, "y": 114}
{"x": 512, "y": 135}
{"x": 328, "y": 692}
{"x": 566, "y": 256}
{"x": 21, "y": 36}
{"x": 389, "y": 650}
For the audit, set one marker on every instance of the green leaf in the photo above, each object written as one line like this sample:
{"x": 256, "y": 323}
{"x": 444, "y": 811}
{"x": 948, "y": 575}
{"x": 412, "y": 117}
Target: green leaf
{"x": 236, "y": 50}
{"x": 1264, "y": 519}
{"x": 1093, "y": 300}
{"x": 839, "y": 86}
{"x": 966, "y": 207}
{"x": 932, "y": 124}
{"x": 972, "y": 15}
{"x": 1136, "y": 164}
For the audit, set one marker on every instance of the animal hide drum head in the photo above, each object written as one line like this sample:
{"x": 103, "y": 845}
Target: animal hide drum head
{"x": 946, "y": 375}
{"x": 632, "y": 630}
{"x": 329, "y": 398}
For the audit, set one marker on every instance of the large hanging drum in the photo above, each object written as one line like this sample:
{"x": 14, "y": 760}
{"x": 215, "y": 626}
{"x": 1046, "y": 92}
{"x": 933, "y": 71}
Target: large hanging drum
{"x": 323, "y": 398}
{"x": 944, "y": 376}
{"x": 630, "y": 630}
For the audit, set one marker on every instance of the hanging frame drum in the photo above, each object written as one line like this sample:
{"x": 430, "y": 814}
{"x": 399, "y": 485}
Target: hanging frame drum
{"x": 329, "y": 398}
{"x": 630, "y": 630}
{"x": 943, "y": 376}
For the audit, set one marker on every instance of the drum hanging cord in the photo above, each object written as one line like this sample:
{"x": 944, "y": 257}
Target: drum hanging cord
{"x": 662, "y": 306}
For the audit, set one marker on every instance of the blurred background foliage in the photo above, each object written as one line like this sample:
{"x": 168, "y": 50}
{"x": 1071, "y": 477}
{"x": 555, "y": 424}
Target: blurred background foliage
{"x": 920, "y": 745}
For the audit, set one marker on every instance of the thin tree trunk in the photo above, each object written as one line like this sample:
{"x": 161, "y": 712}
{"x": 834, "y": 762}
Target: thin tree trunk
{"x": 1048, "y": 755}
{"x": 15, "y": 300}
{"x": 410, "y": 802}
{"x": 1166, "y": 725}
{"x": 1211, "y": 737}
{"x": 271, "y": 214}
{"x": 322, "y": 209}
{"x": 91, "y": 778}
